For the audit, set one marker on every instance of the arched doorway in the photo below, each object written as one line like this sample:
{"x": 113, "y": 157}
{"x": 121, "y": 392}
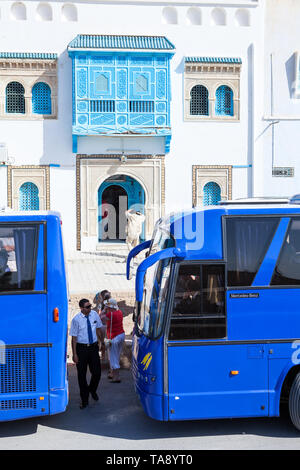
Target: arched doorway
{"x": 116, "y": 195}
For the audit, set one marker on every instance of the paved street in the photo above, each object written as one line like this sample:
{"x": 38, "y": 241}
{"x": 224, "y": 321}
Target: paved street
{"x": 117, "y": 422}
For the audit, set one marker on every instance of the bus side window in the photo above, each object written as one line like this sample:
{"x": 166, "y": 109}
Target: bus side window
{"x": 199, "y": 303}
{"x": 247, "y": 241}
{"x": 18, "y": 247}
{"x": 287, "y": 270}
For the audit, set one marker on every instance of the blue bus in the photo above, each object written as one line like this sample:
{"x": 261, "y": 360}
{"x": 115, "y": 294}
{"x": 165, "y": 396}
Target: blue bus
{"x": 33, "y": 315}
{"x": 217, "y": 320}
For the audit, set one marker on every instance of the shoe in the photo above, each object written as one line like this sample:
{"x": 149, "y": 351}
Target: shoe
{"x": 94, "y": 396}
{"x": 109, "y": 376}
{"x": 115, "y": 381}
{"x": 83, "y": 405}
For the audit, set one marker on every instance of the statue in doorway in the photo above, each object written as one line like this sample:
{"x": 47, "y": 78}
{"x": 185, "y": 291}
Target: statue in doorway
{"x": 134, "y": 227}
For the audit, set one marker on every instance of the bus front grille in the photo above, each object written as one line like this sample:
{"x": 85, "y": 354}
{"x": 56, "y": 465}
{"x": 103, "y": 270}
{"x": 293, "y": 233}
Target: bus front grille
{"x": 17, "y": 370}
{"x": 18, "y": 404}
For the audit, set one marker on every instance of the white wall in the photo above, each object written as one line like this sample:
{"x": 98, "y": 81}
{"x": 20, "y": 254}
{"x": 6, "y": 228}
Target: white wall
{"x": 202, "y": 143}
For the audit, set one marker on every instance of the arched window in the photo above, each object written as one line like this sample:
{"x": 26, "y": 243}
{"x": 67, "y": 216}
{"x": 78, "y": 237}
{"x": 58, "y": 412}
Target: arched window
{"x": 18, "y": 11}
{"x": 218, "y": 17}
{"x": 41, "y": 98}
{"x": 224, "y": 101}
{"x": 102, "y": 83}
{"x": 69, "y": 12}
{"x": 169, "y": 15}
{"x": 44, "y": 12}
{"x": 29, "y": 197}
{"x": 211, "y": 194}
{"x": 242, "y": 18}
{"x": 193, "y": 16}
{"x": 199, "y": 101}
{"x": 15, "y": 100}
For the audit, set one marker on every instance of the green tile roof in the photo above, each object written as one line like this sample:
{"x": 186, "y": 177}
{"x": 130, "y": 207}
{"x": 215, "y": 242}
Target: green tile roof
{"x": 92, "y": 41}
{"x": 28, "y": 55}
{"x": 219, "y": 60}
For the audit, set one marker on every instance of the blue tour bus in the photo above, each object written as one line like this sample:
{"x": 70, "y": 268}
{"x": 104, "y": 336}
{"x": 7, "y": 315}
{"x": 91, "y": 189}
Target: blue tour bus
{"x": 217, "y": 320}
{"x": 33, "y": 315}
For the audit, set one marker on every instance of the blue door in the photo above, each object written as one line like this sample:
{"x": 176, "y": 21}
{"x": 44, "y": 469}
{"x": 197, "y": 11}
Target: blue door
{"x": 110, "y": 193}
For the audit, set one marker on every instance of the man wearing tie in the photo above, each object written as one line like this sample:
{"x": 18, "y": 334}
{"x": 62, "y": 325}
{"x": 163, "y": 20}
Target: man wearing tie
{"x": 86, "y": 330}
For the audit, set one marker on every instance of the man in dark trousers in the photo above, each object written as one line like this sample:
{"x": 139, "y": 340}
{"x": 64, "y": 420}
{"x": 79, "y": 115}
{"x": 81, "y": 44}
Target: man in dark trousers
{"x": 86, "y": 330}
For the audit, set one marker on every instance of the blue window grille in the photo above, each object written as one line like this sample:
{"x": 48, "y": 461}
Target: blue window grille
{"x": 224, "y": 101}
{"x": 211, "y": 194}
{"x": 15, "y": 100}
{"x": 199, "y": 101}
{"x": 41, "y": 98}
{"x": 29, "y": 197}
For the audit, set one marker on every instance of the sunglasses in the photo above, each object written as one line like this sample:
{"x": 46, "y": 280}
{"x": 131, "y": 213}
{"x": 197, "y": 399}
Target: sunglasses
{"x": 87, "y": 306}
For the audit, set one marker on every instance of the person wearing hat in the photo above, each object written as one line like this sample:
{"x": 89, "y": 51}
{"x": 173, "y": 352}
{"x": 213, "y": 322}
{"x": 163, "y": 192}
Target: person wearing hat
{"x": 115, "y": 333}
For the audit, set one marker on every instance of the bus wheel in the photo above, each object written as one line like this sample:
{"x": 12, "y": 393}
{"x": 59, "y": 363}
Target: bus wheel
{"x": 294, "y": 402}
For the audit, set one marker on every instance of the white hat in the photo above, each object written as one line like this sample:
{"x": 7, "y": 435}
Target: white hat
{"x": 112, "y": 303}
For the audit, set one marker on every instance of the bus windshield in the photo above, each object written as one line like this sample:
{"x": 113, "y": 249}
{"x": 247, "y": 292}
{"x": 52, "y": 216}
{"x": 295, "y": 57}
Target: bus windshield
{"x": 152, "y": 309}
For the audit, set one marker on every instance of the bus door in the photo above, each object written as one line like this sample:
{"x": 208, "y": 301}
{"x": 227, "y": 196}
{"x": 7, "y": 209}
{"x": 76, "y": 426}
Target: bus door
{"x": 208, "y": 375}
{"x": 23, "y": 320}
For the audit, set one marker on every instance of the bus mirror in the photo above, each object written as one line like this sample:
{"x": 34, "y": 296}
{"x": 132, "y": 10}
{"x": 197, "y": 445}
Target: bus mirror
{"x": 134, "y": 252}
{"x": 152, "y": 259}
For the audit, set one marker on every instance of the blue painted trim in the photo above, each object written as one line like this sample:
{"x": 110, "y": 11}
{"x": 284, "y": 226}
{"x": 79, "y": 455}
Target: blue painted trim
{"x": 241, "y": 166}
{"x": 97, "y": 41}
{"x": 264, "y": 275}
{"x": 221, "y": 60}
{"x": 28, "y": 55}
{"x": 74, "y": 143}
{"x": 56, "y": 165}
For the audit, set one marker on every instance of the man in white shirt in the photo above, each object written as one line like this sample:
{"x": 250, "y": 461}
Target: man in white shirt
{"x": 86, "y": 330}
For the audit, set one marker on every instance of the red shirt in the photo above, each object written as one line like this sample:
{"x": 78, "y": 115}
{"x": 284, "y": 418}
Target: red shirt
{"x": 116, "y": 328}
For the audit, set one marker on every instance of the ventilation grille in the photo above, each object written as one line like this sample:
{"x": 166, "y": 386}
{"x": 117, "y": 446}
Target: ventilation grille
{"x": 102, "y": 106}
{"x": 29, "y": 403}
{"x": 141, "y": 106}
{"x": 18, "y": 371}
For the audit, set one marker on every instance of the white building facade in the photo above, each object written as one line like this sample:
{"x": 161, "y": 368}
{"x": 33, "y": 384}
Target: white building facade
{"x": 151, "y": 105}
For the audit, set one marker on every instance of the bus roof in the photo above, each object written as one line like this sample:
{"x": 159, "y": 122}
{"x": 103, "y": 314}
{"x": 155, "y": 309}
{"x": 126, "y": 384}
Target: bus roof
{"x": 7, "y": 212}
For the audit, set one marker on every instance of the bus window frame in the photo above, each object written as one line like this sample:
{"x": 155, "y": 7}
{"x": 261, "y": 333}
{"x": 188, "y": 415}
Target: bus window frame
{"x": 188, "y": 342}
{"x": 224, "y": 235}
{"x": 31, "y": 224}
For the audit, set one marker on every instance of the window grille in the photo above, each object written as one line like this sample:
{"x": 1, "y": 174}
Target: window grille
{"x": 102, "y": 106}
{"x": 211, "y": 194}
{"x": 29, "y": 197}
{"x": 199, "y": 101}
{"x": 141, "y": 106}
{"x": 224, "y": 101}
{"x": 15, "y": 100}
{"x": 41, "y": 98}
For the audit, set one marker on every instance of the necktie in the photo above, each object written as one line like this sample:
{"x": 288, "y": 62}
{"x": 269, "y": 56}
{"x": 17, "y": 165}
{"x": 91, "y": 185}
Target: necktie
{"x": 89, "y": 328}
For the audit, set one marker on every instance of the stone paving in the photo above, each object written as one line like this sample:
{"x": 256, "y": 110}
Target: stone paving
{"x": 89, "y": 273}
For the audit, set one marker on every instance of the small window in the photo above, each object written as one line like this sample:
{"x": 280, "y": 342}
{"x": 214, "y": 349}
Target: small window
{"x": 41, "y": 98}
{"x": 248, "y": 239}
{"x": 199, "y": 303}
{"x": 211, "y": 194}
{"x": 29, "y": 197}
{"x": 224, "y": 101}
{"x": 287, "y": 271}
{"x": 15, "y": 100}
{"x": 199, "y": 101}
{"x": 18, "y": 247}
{"x": 102, "y": 83}
{"x": 141, "y": 84}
